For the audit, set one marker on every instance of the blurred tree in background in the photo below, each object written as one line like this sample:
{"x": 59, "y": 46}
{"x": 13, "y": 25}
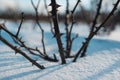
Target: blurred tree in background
{"x": 11, "y": 10}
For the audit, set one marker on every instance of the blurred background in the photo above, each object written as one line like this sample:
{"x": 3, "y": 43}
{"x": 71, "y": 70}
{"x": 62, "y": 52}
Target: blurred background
{"x": 10, "y": 11}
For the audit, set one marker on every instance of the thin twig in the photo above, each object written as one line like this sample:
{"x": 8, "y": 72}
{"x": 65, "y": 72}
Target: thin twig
{"x": 30, "y": 50}
{"x": 66, "y": 28}
{"x": 75, "y": 6}
{"x": 21, "y": 52}
{"x": 48, "y": 13}
{"x": 96, "y": 17}
{"x": 93, "y": 27}
{"x": 19, "y": 28}
{"x": 83, "y": 48}
{"x": 69, "y": 32}
{"x": 56, "y": 29}
{"x": 37, "y": 21}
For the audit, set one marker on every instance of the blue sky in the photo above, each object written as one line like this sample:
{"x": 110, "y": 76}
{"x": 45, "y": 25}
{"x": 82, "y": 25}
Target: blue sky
{"x": 23, "y": 5}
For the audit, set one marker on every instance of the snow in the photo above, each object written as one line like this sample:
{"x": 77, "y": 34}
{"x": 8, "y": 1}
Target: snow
{"x": 101, "y": 62}
{"x": 102, "y": 65}
{"x": 115, "y": 33}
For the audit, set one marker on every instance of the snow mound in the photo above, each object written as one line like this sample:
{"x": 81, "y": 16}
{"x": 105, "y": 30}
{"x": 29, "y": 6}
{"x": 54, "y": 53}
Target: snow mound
{"x": 102, "y": 63}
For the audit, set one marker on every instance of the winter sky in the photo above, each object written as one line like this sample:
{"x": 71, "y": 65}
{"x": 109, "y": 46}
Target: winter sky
{"x": 26, "y": 4}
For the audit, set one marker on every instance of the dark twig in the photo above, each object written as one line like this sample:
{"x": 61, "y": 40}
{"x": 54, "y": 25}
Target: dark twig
{"x": 86, "y": 43}
{"x": 42, "y": 40}
{"x": 69, "y": 32}
{"x": 30, "y": 50}
{"x": 56, "y": 28}
{"x": 96, "y": 17}
{"x": 48, "y": 13}
{"x": 75, "y": 6}
{"x": 37, "y": 21}
{"x": 18, "y": 40}
{"x": 21, "y": 52}
{"x": 93, "y": 26}
{"x": 19, "y": 28}
{"x": 67, "y": 16}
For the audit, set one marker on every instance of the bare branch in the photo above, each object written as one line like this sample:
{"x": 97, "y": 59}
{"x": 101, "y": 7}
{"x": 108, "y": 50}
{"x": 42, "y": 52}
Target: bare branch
{"x": 50, "y": 20}
{"x": 69, "y": 32}
{"x": 37, "y": 21}
{"x": 96, "y": 17}
{"x": 19, "y": 28}
{"x": 75, "y": 7}
{"x": 30, "y": 50}
{"x": 21, "y": 52}
{"x": 56, "y": 28}
{"x": 93, "y": 27}
{"x": 85, "y": 44}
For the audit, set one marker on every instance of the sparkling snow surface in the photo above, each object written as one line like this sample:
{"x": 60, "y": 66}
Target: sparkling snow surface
{"x": 101, "y": 63}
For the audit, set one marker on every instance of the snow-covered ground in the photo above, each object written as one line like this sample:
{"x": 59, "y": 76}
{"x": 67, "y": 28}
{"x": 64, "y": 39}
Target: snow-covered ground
{"x": 101, "y": 63}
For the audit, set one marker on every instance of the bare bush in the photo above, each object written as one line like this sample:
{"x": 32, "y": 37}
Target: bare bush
{"x": 64, "y": 52}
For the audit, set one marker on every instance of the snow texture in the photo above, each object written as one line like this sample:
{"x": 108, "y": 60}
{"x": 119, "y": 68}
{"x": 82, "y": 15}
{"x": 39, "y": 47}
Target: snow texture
{"x": 101, "y": 63}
